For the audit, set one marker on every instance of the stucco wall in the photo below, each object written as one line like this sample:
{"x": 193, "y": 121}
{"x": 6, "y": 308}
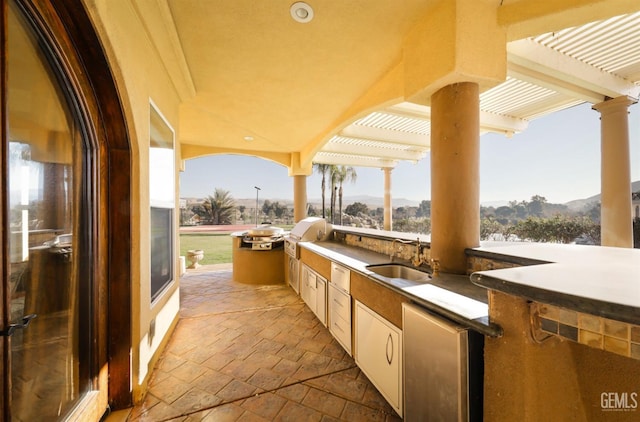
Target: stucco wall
{"x": 140, "y": 77}
{"x": 552, "y": 380}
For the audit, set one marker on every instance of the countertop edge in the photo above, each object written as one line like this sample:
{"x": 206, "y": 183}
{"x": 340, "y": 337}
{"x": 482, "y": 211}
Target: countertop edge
{"x": 609, "y": 310}
{"x": 504, "y": 257}
{"x": 481, "y": 325}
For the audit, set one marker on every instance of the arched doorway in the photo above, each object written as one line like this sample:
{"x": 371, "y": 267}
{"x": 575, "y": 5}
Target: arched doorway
{"x": 65, "y": 196}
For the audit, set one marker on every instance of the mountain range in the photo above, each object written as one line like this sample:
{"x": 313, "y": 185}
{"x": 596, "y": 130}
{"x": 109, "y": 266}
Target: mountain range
{"x": 580, "y": 204}
{"x": 375, "y": 202}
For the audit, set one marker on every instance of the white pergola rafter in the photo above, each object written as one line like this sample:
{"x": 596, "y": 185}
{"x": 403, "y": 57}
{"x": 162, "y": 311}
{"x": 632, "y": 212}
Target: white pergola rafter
{"x": 378, "y": 149}
{"x": 533, "y": 62}
{"x": 385, "y": 135}
{"x": 546, "y": 74}
{"x": 353, "y": 160}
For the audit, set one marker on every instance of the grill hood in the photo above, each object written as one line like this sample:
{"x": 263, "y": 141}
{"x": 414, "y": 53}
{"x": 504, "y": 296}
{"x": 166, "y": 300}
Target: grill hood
{"x": 311, "y": 228}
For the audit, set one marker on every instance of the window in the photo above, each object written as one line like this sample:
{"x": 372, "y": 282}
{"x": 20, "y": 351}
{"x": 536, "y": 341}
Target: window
{"x": 50, "y": 281}
{"x": 162, "y": 201}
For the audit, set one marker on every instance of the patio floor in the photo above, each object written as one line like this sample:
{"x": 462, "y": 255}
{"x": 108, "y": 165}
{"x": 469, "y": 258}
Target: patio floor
{"x": 253, "y": 353}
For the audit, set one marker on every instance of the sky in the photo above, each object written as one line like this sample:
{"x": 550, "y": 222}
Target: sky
{"x": 557, "y": 156}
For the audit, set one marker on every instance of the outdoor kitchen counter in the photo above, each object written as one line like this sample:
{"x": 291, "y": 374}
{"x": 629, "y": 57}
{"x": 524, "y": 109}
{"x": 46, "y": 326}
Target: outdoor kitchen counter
{"x": 449, "y": 295}
{"x": 601, "y": 281}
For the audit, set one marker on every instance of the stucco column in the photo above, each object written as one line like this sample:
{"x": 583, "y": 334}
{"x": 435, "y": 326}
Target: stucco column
{"x": 299, "y": 197}
{"x": 615, "y": 174}
{"x": 387, "y": 223}
{"x": 455, "y": 185}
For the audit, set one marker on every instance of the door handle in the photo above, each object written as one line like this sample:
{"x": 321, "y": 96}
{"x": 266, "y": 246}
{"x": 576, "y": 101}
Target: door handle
{"x": 12, "y": 327}
{"x": 389, "y": 351}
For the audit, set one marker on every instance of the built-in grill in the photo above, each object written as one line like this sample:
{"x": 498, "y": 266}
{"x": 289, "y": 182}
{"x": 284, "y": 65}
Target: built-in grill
{"x": 308, "y": 229}
{"x": 263, "y": 238}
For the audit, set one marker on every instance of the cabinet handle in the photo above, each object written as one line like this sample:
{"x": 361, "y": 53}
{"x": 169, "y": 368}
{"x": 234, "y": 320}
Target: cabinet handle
{"x": 338, "y": 303}
{"x": 389, "y": 352}
{"x": 338, "y": 327}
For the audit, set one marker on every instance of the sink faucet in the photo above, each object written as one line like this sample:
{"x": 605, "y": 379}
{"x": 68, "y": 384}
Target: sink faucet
{"x": 417, "y": 258}
{"x": 435, "y": 267}
{"x": 393, "y": 247}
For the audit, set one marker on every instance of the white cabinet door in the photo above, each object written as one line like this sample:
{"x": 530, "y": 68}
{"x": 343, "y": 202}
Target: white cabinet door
{"x": 313, "y": 290}
{"x": 304, "y": 284}
{"x": 321, "y": 299}
{"x": 378, "y": 353}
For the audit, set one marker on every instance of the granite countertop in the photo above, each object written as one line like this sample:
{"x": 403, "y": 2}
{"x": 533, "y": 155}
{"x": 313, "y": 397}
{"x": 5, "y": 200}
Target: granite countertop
{"x": 602, "y": 281}
{"x": 449, "y": 295}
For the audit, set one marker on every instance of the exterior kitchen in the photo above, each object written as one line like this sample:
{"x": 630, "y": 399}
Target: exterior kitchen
{"x": 445, "y": 327}
{"x": 515, "y": 309}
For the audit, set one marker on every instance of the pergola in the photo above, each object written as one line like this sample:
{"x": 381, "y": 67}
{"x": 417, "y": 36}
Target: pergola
{"x": 545, "y": 74}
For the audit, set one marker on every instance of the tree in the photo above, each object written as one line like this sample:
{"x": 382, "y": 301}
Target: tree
{"x": 594, "y": 211}
{"x": 323, "y": 169}
{"x": 559, "y": 229}
{"x": 344, "y": 174}
{"x": 200, "y": 211}
{"x": 536, "y": 206}
{"x": 274, "y": 209}
{"x": 400, "y": 213}
{"x": 333, "y": 178}
{"x": 487, "y": 212}
{"x": 504, "y": 214}
{"x": 413, "y": 225}
{"x": 424, "y": 209}
{"x": 356, "y": 208}
{"x": 219, "y": 207}
{"x": 520, "y": 208}
{"x": 489, "y": 227}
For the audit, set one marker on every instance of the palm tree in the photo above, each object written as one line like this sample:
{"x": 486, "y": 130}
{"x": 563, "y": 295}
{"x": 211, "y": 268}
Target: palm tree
{"x": 220, "y": 207}
{"x": 343, "y": 174}
{"x": 323, "y": 169}
{"x": 333, "y": 176}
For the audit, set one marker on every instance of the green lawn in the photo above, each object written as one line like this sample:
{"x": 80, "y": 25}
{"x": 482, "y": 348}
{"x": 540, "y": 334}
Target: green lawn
{"x": 216, "y": 246}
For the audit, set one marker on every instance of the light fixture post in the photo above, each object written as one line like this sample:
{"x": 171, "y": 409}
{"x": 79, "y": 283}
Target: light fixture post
{"x": 257, "y": 191}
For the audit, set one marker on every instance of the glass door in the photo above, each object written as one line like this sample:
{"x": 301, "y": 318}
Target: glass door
{"x": 46, "y": 265}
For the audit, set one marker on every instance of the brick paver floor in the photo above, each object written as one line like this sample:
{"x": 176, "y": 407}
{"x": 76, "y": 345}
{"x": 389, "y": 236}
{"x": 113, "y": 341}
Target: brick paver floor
{"x": 253, "y": 353}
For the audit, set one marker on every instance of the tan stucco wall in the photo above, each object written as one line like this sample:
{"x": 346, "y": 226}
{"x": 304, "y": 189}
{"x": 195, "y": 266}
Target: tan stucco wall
{"x": 554, "y": 380}
{"x": 140, "y": 77}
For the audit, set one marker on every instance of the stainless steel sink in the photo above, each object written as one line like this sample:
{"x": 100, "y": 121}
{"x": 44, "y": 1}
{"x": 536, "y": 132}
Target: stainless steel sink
{"x": 400, "y": 271}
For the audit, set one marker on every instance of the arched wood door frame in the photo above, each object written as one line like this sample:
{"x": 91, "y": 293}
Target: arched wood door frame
{"x": 78, "y": 54}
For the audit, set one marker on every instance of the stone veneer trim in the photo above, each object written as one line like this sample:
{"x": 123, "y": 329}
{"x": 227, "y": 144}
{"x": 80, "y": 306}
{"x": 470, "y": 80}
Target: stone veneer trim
{"x": 597, "y": 332}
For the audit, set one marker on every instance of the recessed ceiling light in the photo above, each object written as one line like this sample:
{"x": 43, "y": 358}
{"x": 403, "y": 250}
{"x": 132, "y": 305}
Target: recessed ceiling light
{"x": 301, "y": 12}
{"x": 248, "y": 138}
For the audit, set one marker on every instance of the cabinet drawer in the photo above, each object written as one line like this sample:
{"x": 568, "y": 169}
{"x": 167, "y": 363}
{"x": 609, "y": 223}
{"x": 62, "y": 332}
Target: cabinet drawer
{"x": 341, "y": 330}
{"x": 340, "y": 302}
{"x": 341, "y": 276}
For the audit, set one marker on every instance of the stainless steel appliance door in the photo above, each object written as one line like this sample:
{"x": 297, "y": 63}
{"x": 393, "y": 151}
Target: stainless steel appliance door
{"x": 294, "y": 274}
{"x": 435, "y": 367}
